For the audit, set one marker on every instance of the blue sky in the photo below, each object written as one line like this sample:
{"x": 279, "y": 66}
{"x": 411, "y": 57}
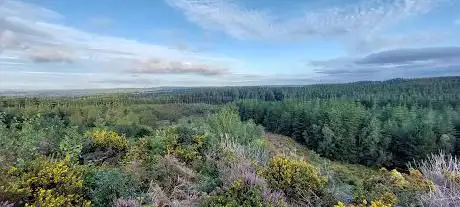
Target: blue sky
{"x": 55, "y": 44}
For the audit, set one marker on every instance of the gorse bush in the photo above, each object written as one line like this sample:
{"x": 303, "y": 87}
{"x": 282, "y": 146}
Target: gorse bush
{"x": 296, "y": 178}
{"x": 398, "y": 188}
{"x": 45, "y": 182}
{"x": 191, "y": 152}
{"x": 103, "y": 147}
{"x": 105, "y": 139}
{"x": 385, "y": 202}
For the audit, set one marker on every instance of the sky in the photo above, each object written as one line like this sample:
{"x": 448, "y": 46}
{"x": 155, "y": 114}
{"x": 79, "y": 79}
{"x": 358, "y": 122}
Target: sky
{"x": 83, "y": 44}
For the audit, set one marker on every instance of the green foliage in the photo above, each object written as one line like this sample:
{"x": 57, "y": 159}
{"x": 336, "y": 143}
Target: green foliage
{"x": 158, "y": 148}
{"x": 191, "y": 152}
{"x": 45, "y": 182}
{"x": 227, "y": 123}
{"x": 163, "y": 141}
{"x": 209, "y": 176}
{"x": 241, "y": 194}
{"x": 295, "y": 178}
{"x": 347, "y": 130}
{"x": 405, "y": 188}
{"x": 31, "y": 137}
{"x": 105, "y": 186}
{"x": 104, "y": 139}
{"x": 71, "y": 144}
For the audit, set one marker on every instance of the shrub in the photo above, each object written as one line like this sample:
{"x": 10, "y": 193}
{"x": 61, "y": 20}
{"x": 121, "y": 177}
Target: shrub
{"x": 172, "y": 183}
{"x": 123, "y": 202}
{"x": 376, "y": 203}
{"x": 163, "y": 141}
{"x": 71, "y": 143}
{"x": 20, "y": 140}
{"x": 242, "y": 184}
{"x": 103, "y": 146}
{"x": 227, "y": 122}
{"x": 105, "y": 139}
{"x": 384, "y": 200}
{"x": 191, "y": 152}
{"x": 296, "y": 178}
{"x": 406, "y": 187}
{"x": 241, "y": 193}
{"x": 443, "y": 170}
{"x": 169, "y": 172}
{"x": 231, "y": 149}
{"x": 45, "y": 182}
{"x": 137, "y": 161}
{"x": 105, "y": 186}
{"x": 209, "y": 175}
{"x": 188, "y": 153}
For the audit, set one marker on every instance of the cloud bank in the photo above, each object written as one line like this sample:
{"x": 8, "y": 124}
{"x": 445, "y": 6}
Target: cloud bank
{"x": 37, "y": 48}
{"x": 420, "y": 62}
{"x": 407, "y": 56}
{"x": 159, "y": 66}
{"x": 359, "y": 18}
{"x": 30, "y": 32}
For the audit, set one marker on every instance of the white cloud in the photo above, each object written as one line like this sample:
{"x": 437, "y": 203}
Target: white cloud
{"x": 7, "y": 40}
{"x": 49, "y": 54}
{"x": 409, "y": 62}
{"x": 65, "y": 80}
{"x": 361, "y": 17}
{"x": 27, "y": 11}
{"x": 380, "y": 42}
{"x": 159, "y": 66}
{"x": 37, "y": 34}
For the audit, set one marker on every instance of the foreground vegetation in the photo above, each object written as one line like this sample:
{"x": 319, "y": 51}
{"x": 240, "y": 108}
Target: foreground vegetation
{"x": 138, "y": 150}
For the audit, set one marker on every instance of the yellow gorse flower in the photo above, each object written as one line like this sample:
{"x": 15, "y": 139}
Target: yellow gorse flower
{"x": 48, "y": 183}
{"x": 289, "y": 175}
{"x": 108, "y": 139}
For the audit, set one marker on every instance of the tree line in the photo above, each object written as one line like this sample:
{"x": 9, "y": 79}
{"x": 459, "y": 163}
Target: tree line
{"x": 347, "y": 130}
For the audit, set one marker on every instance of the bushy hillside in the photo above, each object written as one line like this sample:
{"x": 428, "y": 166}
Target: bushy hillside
{"x": 124, "y": 151}
{"x": 207, "y": 160}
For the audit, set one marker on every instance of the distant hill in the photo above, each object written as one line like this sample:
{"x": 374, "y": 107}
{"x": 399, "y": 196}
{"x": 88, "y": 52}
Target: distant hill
{"x": 90, "y": 92}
